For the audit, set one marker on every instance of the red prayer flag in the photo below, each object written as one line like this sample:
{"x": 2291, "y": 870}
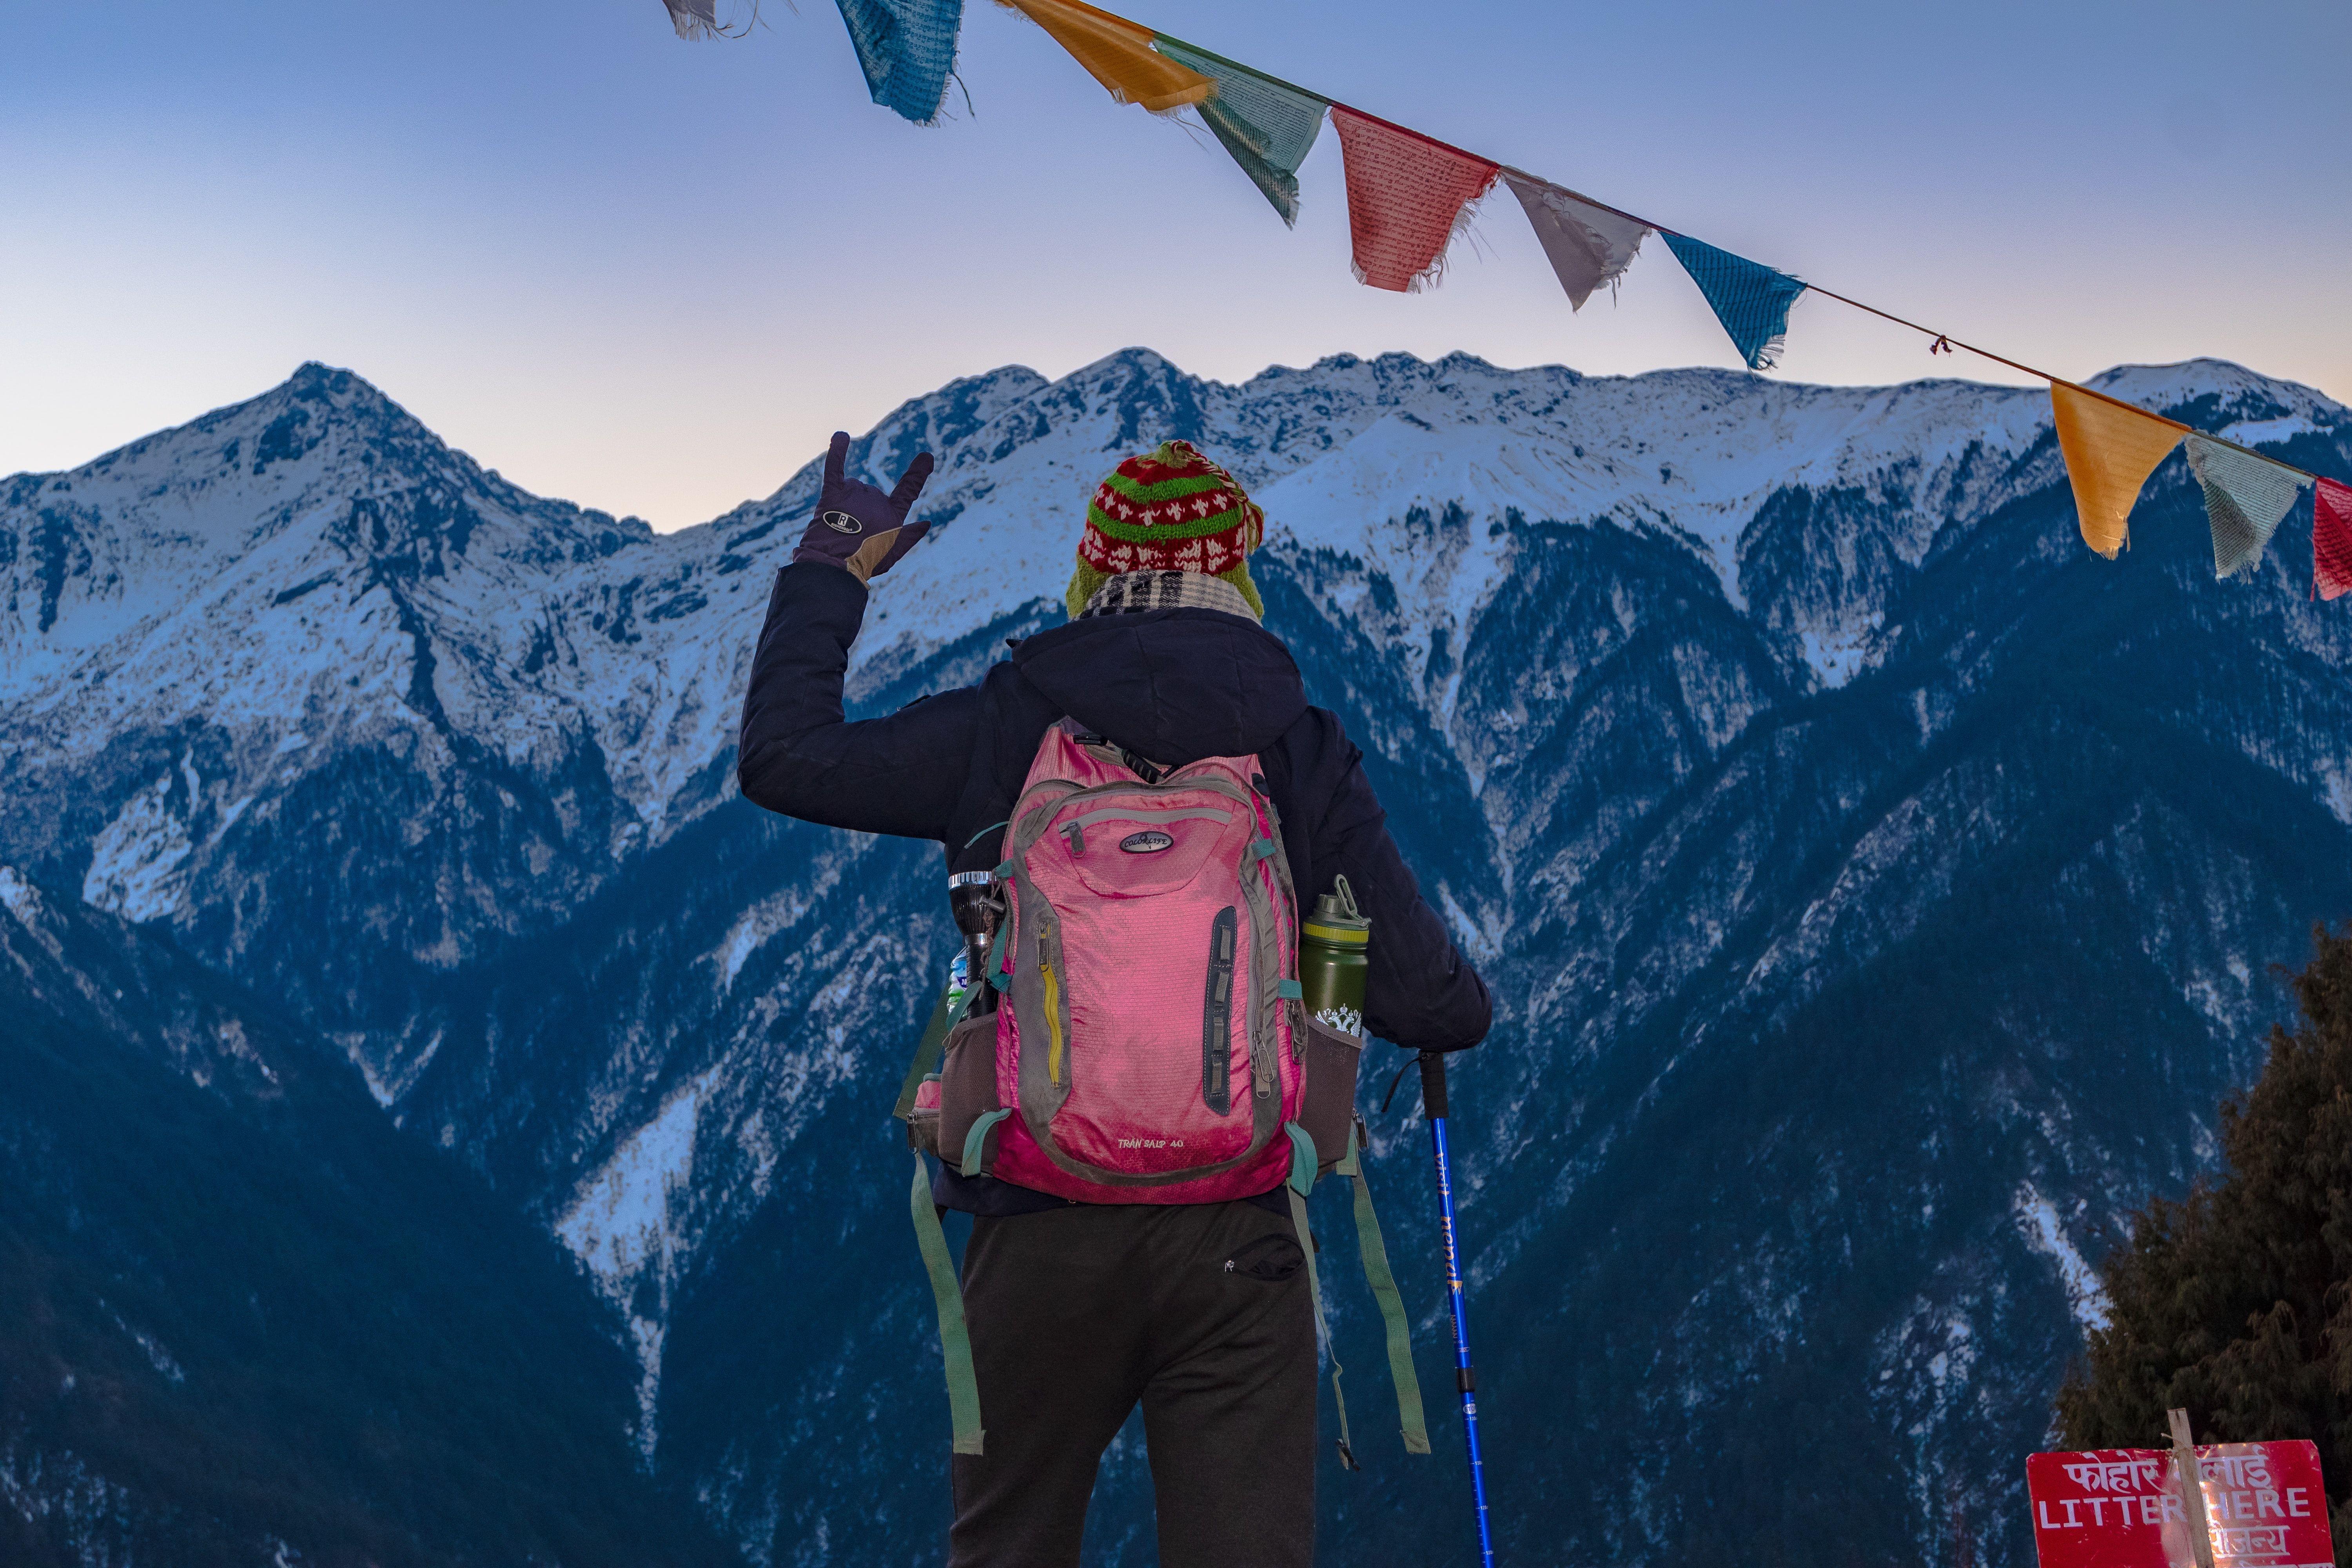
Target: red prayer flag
{"x": 2331, "y": 540}
{"x": 1406, "y": 196}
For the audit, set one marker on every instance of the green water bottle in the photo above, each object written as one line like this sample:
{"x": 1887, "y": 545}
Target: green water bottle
{"x": 1332, "y": 942}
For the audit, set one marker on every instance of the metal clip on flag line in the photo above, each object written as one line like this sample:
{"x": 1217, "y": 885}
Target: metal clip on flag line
{"x": 1466, "y": 1377}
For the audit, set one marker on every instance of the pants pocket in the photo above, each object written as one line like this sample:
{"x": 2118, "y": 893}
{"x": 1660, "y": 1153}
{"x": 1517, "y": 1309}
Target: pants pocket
{"x": 967, "y": 1082}
{"x": 1327, "y": 1107}
{"x": 1272, "y": 1258}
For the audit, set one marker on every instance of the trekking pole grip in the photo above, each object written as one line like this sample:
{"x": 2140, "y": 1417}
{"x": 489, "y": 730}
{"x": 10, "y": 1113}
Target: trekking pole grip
{"x": 1432, "y": 1084}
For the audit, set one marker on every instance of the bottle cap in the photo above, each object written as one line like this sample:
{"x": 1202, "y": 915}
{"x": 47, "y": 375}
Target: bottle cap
{"x": 1337, "y": 921}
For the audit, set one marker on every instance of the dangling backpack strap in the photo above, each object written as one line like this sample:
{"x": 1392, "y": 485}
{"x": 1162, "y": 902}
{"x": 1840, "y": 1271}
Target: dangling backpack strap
{"x": 1302, "y": 1181}
{"x": 1384, "y": 1290}
{"x": 955, "y": 1338}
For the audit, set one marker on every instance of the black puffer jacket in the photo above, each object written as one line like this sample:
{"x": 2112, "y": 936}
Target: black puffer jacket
{"x": 1174, "y": 685}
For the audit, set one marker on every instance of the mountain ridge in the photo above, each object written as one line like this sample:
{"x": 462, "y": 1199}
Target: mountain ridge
{"x": 1735, "y": 727}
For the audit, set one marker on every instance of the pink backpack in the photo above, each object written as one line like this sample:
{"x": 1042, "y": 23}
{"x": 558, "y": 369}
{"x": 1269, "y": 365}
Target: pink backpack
{"x": 1149, "y": 1045}
{"x": 1142, "y": 1049}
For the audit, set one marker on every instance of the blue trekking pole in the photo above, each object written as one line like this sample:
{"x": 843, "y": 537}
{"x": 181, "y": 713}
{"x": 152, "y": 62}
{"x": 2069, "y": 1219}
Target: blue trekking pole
{"x": 1465, "y": 1377}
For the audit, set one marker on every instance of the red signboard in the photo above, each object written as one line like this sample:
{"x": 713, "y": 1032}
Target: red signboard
{"x": 2123, "y": 1508}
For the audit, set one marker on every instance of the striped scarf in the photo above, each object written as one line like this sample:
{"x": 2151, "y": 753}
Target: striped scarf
{"x": 1133, "y": 593}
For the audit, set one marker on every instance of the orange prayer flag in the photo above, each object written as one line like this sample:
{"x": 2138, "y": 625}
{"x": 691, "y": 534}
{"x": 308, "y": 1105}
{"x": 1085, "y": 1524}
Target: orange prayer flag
{"x": 2111, "y": 448}
{"x": 1117, "y": 53}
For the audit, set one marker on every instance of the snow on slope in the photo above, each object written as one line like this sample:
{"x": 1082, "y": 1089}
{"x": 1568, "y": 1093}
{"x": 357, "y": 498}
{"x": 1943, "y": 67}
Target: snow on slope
{"x": 259, "y": 617}
{"x": 314, "y": 568}
{"x": 1340, "y": 454}
{"x": 623, "y": 1227}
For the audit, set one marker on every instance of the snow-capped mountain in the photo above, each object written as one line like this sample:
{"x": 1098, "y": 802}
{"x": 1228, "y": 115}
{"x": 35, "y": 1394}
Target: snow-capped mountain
{"x": 1879, "y": 890}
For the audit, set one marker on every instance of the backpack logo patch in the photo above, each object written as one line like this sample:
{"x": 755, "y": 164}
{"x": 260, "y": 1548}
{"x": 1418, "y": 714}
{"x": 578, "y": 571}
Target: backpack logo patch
{"x": 1150, "y": 841}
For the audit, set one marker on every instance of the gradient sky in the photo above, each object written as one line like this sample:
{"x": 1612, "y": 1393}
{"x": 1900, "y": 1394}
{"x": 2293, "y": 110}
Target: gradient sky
{"x": 650, "y": 275}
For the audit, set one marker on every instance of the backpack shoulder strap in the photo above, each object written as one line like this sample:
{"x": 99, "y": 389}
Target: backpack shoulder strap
{"x": 1013, "y": 714}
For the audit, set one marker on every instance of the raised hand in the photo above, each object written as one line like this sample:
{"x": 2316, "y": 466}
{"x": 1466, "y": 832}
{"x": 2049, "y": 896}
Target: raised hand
{"x": 858, "y": 528}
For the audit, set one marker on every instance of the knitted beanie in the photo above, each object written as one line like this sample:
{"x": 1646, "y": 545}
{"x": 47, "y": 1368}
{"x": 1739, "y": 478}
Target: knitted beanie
{"x": 1171, "y": 509}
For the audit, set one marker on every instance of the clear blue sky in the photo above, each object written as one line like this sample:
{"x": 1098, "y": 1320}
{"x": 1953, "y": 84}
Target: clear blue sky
{"x": 650, "y": 275}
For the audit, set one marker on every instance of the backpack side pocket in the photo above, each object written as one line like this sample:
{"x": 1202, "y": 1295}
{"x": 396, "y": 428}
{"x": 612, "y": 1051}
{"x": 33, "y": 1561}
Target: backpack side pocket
{"x": 923, "y": 1117}
{"x": 1327, "y": 1107}
{"x": 967, "y": 1082}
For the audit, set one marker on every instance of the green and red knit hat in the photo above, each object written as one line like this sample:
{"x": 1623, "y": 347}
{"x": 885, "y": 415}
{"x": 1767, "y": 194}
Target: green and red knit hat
{"x": 1171, "y": 509}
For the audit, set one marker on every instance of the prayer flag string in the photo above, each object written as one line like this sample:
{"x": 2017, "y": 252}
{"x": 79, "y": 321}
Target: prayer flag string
{"x": 1408, "y": 194}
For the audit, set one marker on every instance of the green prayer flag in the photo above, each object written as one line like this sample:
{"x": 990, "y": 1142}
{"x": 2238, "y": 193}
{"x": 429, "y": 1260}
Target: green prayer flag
{"x": 1268, "y": 126}
{"x": 2245, "y": 499}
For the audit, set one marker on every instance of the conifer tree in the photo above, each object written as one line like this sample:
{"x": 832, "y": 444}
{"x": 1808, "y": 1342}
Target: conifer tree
{"x": 2236, "y": 1304}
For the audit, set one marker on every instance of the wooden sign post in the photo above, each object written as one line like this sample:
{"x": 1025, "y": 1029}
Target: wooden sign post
{"x": 2190, "y": 1485}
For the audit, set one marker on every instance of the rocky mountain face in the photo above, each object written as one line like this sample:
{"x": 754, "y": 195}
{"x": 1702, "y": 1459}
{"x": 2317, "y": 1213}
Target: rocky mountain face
{"x": 1878, "y": 889}
{"x": 244, "y": 1320}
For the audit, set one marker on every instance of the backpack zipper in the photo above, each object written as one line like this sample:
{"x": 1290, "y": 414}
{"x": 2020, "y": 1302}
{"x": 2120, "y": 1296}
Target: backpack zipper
{"x": 1053, "y": 1020}
{"x": 1217, "y": 1014}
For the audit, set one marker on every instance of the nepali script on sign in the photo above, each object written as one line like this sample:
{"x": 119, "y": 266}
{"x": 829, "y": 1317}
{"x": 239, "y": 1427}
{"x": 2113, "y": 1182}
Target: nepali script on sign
{"x": 2123, "y": 1508}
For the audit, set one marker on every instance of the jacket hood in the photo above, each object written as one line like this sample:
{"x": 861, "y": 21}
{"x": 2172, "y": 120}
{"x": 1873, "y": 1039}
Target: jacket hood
{"x": 1173, "y": 686}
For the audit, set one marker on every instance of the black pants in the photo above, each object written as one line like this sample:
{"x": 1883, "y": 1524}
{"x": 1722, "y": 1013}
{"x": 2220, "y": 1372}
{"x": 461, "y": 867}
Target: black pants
{"x": 1199, "y": 1310}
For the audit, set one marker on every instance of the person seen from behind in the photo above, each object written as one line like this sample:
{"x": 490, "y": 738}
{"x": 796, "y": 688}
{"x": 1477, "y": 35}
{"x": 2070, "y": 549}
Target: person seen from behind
{"x": 1079, "y": 1310}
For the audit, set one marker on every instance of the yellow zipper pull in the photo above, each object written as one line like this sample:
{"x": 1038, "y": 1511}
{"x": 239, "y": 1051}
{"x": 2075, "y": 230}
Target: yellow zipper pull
{"x": 1053, "y": 992}
{"x": 1053, "y": 1024}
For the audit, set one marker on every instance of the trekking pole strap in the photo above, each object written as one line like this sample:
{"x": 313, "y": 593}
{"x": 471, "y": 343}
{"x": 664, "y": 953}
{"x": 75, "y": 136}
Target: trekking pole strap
{"x": 955, "y": 1338}
{"x": 1411, "y": 1419}
{"x": 1322, "y": 1330}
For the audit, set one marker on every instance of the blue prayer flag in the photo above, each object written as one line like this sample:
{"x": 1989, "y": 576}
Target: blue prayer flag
{"x": 907, "y": 49}
{"x": 1749, "y": 299}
